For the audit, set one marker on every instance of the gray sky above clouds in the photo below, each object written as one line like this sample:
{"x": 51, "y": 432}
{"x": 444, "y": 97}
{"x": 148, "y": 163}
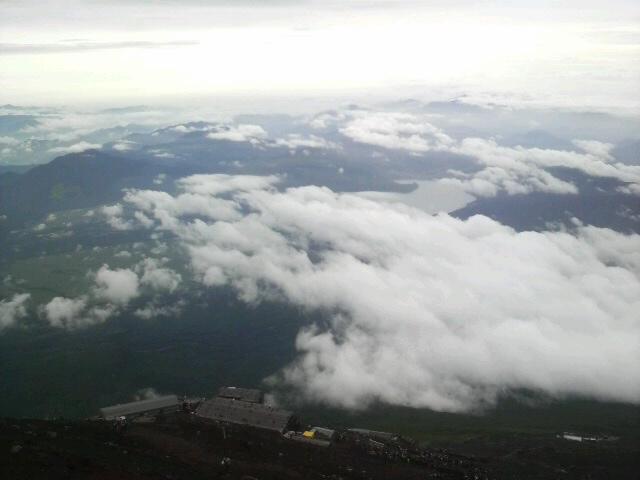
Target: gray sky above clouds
{"x": 100, "y": 51}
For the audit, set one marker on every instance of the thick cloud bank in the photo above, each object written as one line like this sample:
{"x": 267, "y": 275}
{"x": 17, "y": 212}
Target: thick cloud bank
{"x": 424, "y": 310}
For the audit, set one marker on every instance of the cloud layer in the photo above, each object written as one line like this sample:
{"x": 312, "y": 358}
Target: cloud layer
{"x": 510, "y": 170}
{"x": 422, "y": 310}
{"x": 61, "y": 47}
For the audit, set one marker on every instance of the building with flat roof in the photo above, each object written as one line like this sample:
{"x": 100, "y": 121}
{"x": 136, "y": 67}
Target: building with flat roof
{"x": 168, "y": 403}
{"x": 245, "y": 394}
{"x": 241, "y": 412}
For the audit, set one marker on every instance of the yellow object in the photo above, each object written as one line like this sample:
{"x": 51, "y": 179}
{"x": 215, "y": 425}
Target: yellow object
{"x": 309, "y": 434}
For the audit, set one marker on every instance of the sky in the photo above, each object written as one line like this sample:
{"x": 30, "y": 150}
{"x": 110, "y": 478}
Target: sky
{"x": 113, "y": 51}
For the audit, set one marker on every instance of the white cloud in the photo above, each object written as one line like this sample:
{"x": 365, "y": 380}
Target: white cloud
{"x": 70, "y": 126}
{"x": 513, "y": 170}
{"x": 112, "y": 210}
{"x": 324, "y": 120}
{"x": 99, "y": 314}
{"x": 9, "y": 141}
{"x": 157, "y": 276}
{"x": 65, "y": 312}
{"x": 239, "y": 133}
{"x": 630, "y": 189}
{"x": 596, "y": 148}
{"x": 220, "y": 183}
{"x": 124, "y": 146}
{"x": 163, "y": 155}
{"x": 152, "y": 310}
{"x": 160, "y": 178}
{"x": 72, "y": 313}
{"x": 392, "y": 130}
{"x": 13, "y": 310}
{"x": 192, "y": 128}
{"x": 427, "y": 310}
{"x": 522, "y": 170}
{"x": 489, "y": 181}
{"x": 294, "y": 141}
{"x": 197, "y": 198}
{"x": 113, "y": 289}
{"x": 114, "y": 217}
{"x": 75, "y": 148}
{"x": 118, "y": 286}
{"x": 143, "y": 220}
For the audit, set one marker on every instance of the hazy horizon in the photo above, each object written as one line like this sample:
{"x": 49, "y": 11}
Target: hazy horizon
{"x": 110, "y": 51}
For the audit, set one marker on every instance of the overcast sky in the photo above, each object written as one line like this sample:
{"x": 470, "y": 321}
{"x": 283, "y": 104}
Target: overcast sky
{"x": 584, "y": 53}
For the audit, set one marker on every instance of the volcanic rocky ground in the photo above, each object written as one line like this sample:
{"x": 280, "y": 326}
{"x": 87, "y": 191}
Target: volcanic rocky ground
{"x": 179, "y": 446}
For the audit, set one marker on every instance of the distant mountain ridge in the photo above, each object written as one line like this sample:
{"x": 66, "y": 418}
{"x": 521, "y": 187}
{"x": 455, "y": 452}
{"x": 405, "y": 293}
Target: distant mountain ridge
{"x": 77, "y": 180}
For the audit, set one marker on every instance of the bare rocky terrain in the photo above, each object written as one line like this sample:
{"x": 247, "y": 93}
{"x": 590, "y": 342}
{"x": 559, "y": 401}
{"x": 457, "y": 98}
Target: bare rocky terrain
{"x": 181, "y": 447}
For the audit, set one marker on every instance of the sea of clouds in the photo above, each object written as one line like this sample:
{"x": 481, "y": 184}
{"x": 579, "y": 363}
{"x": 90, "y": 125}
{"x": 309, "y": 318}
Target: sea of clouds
{"x": 422, "y": 310}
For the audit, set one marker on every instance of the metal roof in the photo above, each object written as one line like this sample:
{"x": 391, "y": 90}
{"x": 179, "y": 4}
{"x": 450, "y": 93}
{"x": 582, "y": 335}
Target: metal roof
{"x": 323, "y": 432}
{"x": 373, "y": 433}
{"x": 245, "y": 413}
{"x": 244, "y": 394}
{"x": 142, "y": 406}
